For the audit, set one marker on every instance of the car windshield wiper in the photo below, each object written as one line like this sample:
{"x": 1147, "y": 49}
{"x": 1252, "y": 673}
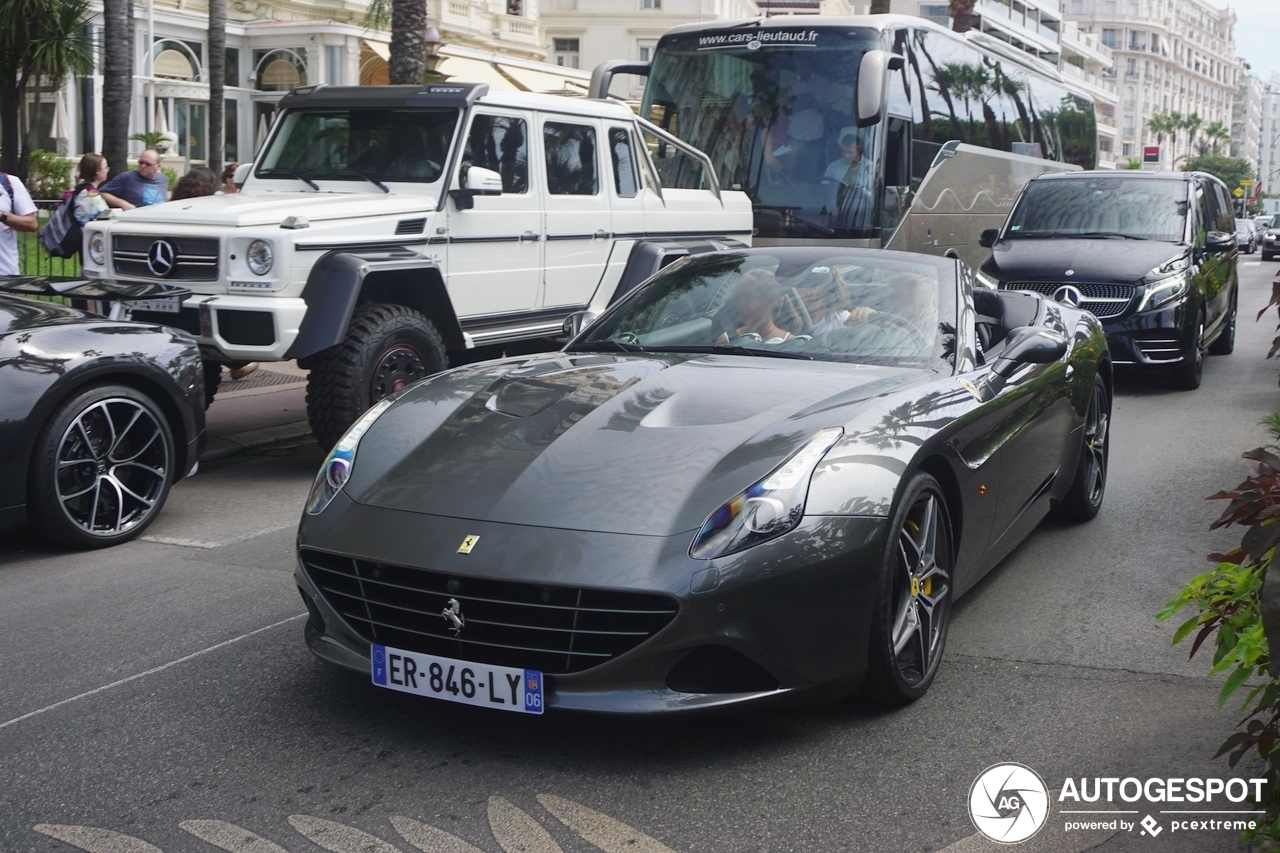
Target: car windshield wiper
{"x": 1071, "y": 235}
{"x": 377, "y": 183}
{"x": 734, "y": 349}
{"x": 300, "y": 177}
{"x": 790, "y": 213}
{"x": 606, "y": 345}
{"x": 1109, "y": 234}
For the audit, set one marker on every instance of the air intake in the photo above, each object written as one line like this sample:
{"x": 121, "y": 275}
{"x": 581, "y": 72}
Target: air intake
{"x": 717, "y": 669}
{"x": 411, "y": 226}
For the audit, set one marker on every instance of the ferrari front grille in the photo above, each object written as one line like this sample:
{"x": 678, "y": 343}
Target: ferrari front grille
{"x": 555, "y": 629}
{"x": 1101, "y": 300}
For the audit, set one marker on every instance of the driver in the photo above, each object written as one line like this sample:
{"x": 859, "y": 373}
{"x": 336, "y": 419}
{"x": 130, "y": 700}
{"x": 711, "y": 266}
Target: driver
{"x": 910, "y": 300}
{"x": 756, "y": 300}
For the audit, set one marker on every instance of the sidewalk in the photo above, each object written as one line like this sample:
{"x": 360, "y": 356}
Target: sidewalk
{"x": 266, "y": 407}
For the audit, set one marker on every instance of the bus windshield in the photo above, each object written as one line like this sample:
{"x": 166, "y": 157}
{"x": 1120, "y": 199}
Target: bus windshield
{"x": 773, "y": 107}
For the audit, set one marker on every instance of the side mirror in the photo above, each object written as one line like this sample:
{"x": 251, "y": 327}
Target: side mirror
{"x": 872, "y": 71}
{"x": 476, "y": 181}
{"x": 1030, "y": 346}
{"x": 242, "y": 174}
{"x": 988, "y": 237}
{"x": 1217, "y": 242}
{"x": 576, "y": 322}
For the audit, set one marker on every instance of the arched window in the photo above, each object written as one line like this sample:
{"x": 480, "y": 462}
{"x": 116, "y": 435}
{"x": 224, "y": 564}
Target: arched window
{"x": 279, "y": 70}
{"x": 175, "y": 60}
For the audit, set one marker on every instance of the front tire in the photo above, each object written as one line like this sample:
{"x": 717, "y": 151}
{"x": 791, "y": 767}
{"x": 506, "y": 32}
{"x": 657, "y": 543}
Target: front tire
{"x": 1225, "y": 343}
{"x": 1090, "y": 483}
{"x": 212, "y": 379}
{"x": 386, "y": 348}
{"x": 102, "y": 468}
{"x": 913, "y": 608}
{"x": 1188, "y": 374}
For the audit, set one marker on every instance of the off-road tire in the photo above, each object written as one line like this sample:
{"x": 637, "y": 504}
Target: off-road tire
{"x": 137, "y": 450}
{"x": 212, "y": 379}
{"x": 1225, "y": 343}
{"x": 340, "y": 386}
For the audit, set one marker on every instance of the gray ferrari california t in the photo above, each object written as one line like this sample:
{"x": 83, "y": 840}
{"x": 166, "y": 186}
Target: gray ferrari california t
{"x": 762, "y": 473}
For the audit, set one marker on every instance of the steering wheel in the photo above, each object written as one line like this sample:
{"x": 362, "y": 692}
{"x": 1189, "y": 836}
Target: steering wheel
{"x": 627, "y": 338}
{"x": 896, "y": 322}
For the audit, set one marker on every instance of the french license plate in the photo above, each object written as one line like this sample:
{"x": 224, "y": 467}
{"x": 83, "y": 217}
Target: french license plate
{"x": 169, "y": 305}
{"x": 503, "y": 687}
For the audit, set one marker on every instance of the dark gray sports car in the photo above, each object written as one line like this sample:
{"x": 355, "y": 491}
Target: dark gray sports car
{"x": 761, "y": 473}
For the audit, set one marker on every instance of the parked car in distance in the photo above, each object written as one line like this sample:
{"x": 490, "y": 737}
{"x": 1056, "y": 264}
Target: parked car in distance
{"x": 98, "y": 417}
{"x": 1271, "y": 238}
{"x": 838, "y": 438}
{"x": 1152, "y": 254}
{"x": 1246, "y": 236}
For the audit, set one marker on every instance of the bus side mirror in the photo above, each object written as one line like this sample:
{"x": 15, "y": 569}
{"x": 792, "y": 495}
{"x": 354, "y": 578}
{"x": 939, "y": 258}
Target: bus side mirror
{"x": 872, "y": 74}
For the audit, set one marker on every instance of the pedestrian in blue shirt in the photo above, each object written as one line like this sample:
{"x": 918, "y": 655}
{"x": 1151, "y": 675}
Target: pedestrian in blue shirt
{"x": 144, "y": 186}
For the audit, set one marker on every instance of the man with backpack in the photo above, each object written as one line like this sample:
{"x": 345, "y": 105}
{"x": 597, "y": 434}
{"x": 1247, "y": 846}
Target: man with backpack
{"x": 17, "y": 213}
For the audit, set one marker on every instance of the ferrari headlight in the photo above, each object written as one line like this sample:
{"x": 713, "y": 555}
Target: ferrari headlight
{"x": 768, "y": 509}
{"x": 259, "y": 257}
{"x": 336, "y": 469}
{"x": 1163, "y": 291}
{"x": 97, "y": 248}
{"x": 985, "y": 279}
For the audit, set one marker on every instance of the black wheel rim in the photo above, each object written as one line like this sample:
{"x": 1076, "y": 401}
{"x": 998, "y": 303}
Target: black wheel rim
{"x": 112, "y": 466}
{"x": 1096, "y": 426}
{"x": 921, "y": 590}
{"x": 397, "y": 367}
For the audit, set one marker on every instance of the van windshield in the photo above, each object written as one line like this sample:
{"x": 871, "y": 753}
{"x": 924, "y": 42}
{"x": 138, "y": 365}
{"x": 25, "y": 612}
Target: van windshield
{"x": 1101, "y": 207}
{"x": 359, "y": 144}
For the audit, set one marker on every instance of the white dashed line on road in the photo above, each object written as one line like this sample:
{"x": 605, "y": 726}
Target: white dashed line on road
{"x": 517, "y": 832}
{"x": 428, "y": 839}
{"x": 611, "y": 836}
{"x": 95, "y": 840}
{"x": 338, "y": 837}
{"x": 229, "y": 837}
{"x": 152, "y": 671}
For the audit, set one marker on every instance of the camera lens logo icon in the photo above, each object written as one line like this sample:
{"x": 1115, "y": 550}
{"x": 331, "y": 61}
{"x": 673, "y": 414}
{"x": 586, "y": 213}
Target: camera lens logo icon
{"x": 1008, "y": 803}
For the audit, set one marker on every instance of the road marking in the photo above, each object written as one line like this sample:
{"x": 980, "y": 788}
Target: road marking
{"x": 1046, "y": 841}
{"x": 95, "y": 840}
{"x": 338, "y": 837}
{"x": 229, "y": 837}
{"x": 517, "y": 832}
{"x": 611, "y": 836}
{"x": 428, "y": 839}
{"x": 206, "y": 545}
{"x": 160, "y": 668}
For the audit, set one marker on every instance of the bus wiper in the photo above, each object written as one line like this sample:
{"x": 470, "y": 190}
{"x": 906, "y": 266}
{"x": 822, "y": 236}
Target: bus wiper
{"x": 790, "y": 213}
{"x": 734, "y": 349}
{"x": 377, "y": 183}
{"x": 607, "y": 345}
{"x": 302, "y": 178}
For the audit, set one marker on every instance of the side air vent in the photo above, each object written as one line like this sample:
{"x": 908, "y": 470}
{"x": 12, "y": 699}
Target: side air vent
{"x": 411, "y": 226}
{"x": 718, "y": 669}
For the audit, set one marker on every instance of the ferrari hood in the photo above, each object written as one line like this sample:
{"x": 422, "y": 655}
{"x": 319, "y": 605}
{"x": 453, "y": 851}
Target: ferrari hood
{"x": 269, "y": 208}
{"x": 647, "y": 445}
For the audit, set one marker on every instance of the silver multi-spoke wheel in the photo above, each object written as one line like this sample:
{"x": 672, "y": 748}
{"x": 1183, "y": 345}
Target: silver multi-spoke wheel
{"x": 112, "y": 467}
{"x": 922, "y": 589}
{"x": 1095, "y": 445}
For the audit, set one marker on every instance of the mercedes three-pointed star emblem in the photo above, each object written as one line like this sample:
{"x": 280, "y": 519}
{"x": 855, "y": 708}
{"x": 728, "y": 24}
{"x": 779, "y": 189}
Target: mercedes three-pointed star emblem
{"x": 161, "y": 257}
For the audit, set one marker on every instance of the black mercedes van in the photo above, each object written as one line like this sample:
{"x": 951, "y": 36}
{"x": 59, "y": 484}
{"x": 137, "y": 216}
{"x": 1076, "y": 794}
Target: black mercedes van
{"x": 1151, "y": 254}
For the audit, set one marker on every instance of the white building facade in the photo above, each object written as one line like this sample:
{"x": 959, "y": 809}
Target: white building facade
{"x": 1246, "y": 119}
{"x": 1269, "y": 137}
{"x": 1169, "y": 56}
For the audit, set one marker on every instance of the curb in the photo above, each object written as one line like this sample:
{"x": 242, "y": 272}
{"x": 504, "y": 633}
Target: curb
{"x": 229, "y": 445}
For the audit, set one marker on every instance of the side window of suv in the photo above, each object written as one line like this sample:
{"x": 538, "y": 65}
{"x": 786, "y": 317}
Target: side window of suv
{"x": 571, "y": 158}
{"x": 501, "y": 144}
{"x": 1204, "y": 216}
{"x": 625, "y": 180}
{"x": 1226, "y": 211}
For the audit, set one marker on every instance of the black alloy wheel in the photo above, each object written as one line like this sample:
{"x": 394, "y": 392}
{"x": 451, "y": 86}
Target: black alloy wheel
{"x": 386, "y": 348}
{"x": 1089, "y": 486}
{"x": 1188, "y": 374}
{"x": 102, "y": 468}
{"x": 913, "y": 610}
{"x": 1225, "y": 343}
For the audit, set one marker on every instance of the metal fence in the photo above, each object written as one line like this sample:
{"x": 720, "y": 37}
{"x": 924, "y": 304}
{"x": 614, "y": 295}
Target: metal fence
{"x": 33, "y": 259}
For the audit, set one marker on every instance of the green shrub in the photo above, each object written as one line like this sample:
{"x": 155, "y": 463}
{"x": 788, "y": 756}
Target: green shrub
{"x": 48, "y": 174}
{"x": 1236, "y": 610}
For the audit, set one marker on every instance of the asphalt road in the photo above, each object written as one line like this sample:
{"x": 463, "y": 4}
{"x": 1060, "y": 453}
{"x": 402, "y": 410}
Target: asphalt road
{"x": 158, "y": 696}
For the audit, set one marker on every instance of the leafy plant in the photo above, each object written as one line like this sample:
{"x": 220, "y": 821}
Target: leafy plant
{"x": 1275, "y": 301}
{"x": 1231, "y": 170}
{"x": 48, "y": 174}
{"x": 1236, "y": 610}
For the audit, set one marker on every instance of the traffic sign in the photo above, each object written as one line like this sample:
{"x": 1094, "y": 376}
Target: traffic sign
{"x": 1239, "y": 193}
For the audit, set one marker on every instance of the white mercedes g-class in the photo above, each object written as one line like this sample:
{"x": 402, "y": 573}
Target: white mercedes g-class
{"x": 382, "y": 227}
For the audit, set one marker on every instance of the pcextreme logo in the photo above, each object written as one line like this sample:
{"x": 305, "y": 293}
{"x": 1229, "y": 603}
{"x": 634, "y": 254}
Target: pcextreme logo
{"x": 1008, "y": 803}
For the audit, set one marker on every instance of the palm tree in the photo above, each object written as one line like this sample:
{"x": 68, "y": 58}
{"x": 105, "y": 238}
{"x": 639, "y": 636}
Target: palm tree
{"x": 1192, "y": 124}
{"x": 1217, "y": 133}
{"x": 408, "y": 61}
{"x": 879, "y": 7}
{"x": 217, "y": 83}
{"x": 961, "y": 12}
{"x": 117, "y": 82}
{"x": 946, "y": 81}
{"x": 1160, "y": 124}
{"x": 61, "y": 47}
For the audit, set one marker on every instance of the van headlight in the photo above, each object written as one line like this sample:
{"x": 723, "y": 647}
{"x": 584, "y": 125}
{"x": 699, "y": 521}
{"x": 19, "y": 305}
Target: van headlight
{"x": 259, "y": 257}
{"x": 1165, "y": 290}
{"x": 336, "y": 469}
{"x": 985, "y": 279}
{"x": 98, "y": 248}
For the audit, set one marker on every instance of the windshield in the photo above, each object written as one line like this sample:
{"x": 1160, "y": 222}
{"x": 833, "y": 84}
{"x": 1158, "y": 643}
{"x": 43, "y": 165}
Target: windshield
{"x": 816, "y": 303}
{"x": 774, "y": 110}
{"x": 1101, "y": 207}
{"x": 1244, "y": 226}
{"x": 359, "y": 145}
